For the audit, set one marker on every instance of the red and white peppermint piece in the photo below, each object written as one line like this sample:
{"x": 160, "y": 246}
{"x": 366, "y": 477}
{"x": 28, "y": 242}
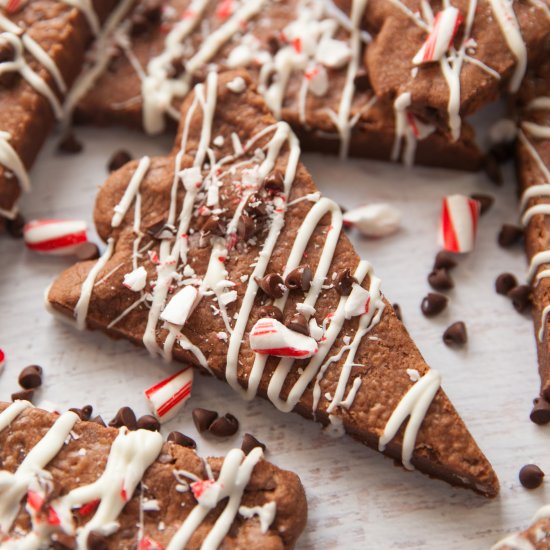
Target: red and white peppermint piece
{"x": 317, "y": 77}
{"x": 147, "y": 543}
{"x": 358, "y": 302}
{"x": 136, "y": 279}
{"x": 181, "y": 305}
{"x": 2, "y": 359}
{"x": 458, "y": 227}
{"x": 191, "y": 177}
{"x": 270, "y": 337}
{"x": 441, "y": 36}
{"x": 168, "y": 396}
{"x": 374, "y": 220}
{"x": 55, "y": 237}
{"x": 207, "y": 492}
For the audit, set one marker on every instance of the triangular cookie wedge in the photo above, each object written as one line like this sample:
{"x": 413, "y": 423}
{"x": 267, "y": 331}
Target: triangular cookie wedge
{"x": 211, "y": 232}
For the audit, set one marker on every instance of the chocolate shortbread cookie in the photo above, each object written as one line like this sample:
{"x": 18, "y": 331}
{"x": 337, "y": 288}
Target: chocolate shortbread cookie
{"x": 42, "y": 49}
{"x": 535, "y": 537}
{"x": 68, "y": 483}
{"x": 533, "y": 168}
{"x": 225, "y": 255}
{"x": 442, "y": 62}
{"x": 306, "y": 56}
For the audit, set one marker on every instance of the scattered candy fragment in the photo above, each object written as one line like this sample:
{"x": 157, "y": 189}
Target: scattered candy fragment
{"x": 270, "y": 337}
{"x": 180, "y": 306}
{"x": 55, "y": 237}
{"x": 458, "y": 227}
{"x": 168, "y": 396}
{"x": 374, "y": 220}
{"x": 136, "y": 279}
{"x": 358, "y": 302}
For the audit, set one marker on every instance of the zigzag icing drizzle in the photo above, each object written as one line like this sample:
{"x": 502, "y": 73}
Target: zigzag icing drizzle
{"x": 131, "y": 454}
{"x": 172, "y": 262}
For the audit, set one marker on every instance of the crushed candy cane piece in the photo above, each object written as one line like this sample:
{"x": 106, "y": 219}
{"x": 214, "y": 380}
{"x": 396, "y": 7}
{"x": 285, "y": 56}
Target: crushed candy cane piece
{"x": 458, "y": 225}
{"x": 315, "y": 330}
{"x": 237, "y": 85}
{"x": 192, "y": 178}
{"x": 168, "y": 396}
{"x": 136, "y": 279}
{"x": 147, "y": 543}
{"x": 207, "y": 492}
{"x": 441, "y": 36}
{"x": 374, "y": 220}
{"x": 318, "y": 80}
{"x": 55, "y": 237}
{"x": 2, "y": 359}
{"x": 270, "y": 337}
{"x": 333, "y": 53}
{"x": 181, "y": 305}
{"x": 358, "y": 302}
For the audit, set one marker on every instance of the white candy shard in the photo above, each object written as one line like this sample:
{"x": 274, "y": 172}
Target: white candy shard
{"x": 333, "y": 53}
{"x": 358, "y": 302}
{"x": 55, "y": 237}
{"x": 167, "y": 397}
{"x": 136, "y": 279}
{"x": 374, "y": 220}
{"x": 180, "y": 306}
{"x": 237, "y": 85}
{"x": 270, "y": 337}
{"x": 192, "y": 178}
{"x": 206, "y": 492}
{"x": 315, "y": 330}
{"x": 318, "y": 80}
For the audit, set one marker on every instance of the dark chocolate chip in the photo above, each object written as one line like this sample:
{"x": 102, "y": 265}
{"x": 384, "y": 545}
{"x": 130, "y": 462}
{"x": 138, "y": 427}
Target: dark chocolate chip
{"x": 433, "y": 304}
{"x": 148, "y": 422}
{"x": 455, "y": 335}
{"x": 444, "y": 260}
{"x": 397, "y": 310}
{"x": 250, "y": 442}
{"x": 273, "y": 44}
{"x": 69, "y": 144}
{"x": 212, "y": 225}
{"x": 97, "y": 541}
{"x": 118, "y": 160}
{"x": 504, "y": 283}
{"x": 31, "y": 377}
{"x": 84, "y": 413}
{"x": 124, "y": 417}
{"x": 274, "y": 182}
{"x": 503, "y": 151}
{"x": 272, "y": 284}
{"x": 361, "y": 80}
{"x": 180, "y": 439}
{"x": 541, "y": 411}
{"x": 492, "y": 168}
{"x": 87, "y": 251}
{"x": 98, "y": 420}
{"x": 344, "y": 282}
{"x": 521, "y": 297}
{"x": 298, "y": 323}
{"x": 25, "y": 395}
{"x": 299, "y": 278}
{"x": 509, "y": 235}
{"x": 203, "y": 418}
{"x": 224, "y": 426}
{"x": 162, "y": 231}
{"x": 15, "y": 227}
{"x": 439, "y": 279}
{"x": 273, "y": 312}
{"x": 255, "y": 206}
{"x": 531, "y": 476}
{"x": 485, "y": 202}
{"x": 246, "y": 227}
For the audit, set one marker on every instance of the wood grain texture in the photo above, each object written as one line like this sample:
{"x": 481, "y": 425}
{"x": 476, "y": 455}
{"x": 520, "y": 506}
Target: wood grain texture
{"x": 357, "y": 498}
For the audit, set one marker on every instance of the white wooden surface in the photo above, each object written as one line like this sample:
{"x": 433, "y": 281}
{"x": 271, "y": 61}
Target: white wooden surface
{"x": 357, "y": 498}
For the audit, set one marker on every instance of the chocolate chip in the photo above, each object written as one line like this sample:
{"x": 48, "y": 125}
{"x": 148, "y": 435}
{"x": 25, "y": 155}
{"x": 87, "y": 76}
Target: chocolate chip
{"x": 444, "y": 260}
{"x": 439, "y": 279}
{"x": 224, "y": 426}
{"x": 455, "y": 335}
{"x": 274, "y": 183}
{"x": 521, "y": 297}
{"x": 503, "y": 151}
{"x": 124, "y": 417}
{"x": 344, "y": 282}
{"x": 69, "y": 144}
{"x": 299, "y": 278}
{"x": 212, "y": 225}
{"x": 504, "y": 283}
{"x": 485, "y": 202}
{"x": 273, "y": 44}
{"x": 98, "y": 420}
{"x": 397, "y": 310}
{"x": 273, "y": 312}
{"x": 148, "y": 422}
{"x": 31, "y": 377}
{"x": 491, "y": 167}
{"x": 255, "y": 206}
{"x": 25, "y": 395}
{"x": 97, "y": 541}
{"x": 361, "y": 80}
{"x": 250, "y": 442}
{"x": 541, "y": 411}
{"x": 180, "y": 439}
{"x": 531, "y": 476}
{"x": 272, "y": 284}
{"x": 203, "y": 418}
{"x": 84, "y": 413}
{"x": 246, "y": 227}
{"x": 118, "y": 160}
{"x": 509, "y": 235}
{"x": 298, "y": 323}
{"x": 15, "y": 227}
{"x": 433, "y": 304}
{"x": 87, "y": 251}
{"x": 162, "y": 231}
